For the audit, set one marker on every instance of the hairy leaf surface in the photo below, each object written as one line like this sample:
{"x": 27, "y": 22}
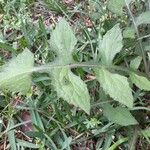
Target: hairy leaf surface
{"x": 68, "y": 86}
{"x": 116, "y": 6}
{"x": 135, "y": 63}
{"x": 63, "y": 41}
{"x": 140, "y": 81}
{"x": 129, "y": 32}
{"x": 15, "y": 75}
{"x": 119, "y": 115}
{"x": 143, "y": 18}
{"x": 116, "y": 86}
{"x": 111, "y": 45}
{"x": 71, "y": 88}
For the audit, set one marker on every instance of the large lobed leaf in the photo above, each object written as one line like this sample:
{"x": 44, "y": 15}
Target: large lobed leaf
{"x": 119, "y": 115}
{"x": 15, "y": 75}
{"x": 116, "y": 86}
{"x": 63, "y": 41}
{"x": 67, "y": 85}
{"x": 111, "y": 45}
{"x": 71, "y": 88}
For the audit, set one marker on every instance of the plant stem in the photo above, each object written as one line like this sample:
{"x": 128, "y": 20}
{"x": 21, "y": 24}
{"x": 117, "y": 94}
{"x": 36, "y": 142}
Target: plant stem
{"x": 140, "y": 42}
{"x": 132, "y": 143}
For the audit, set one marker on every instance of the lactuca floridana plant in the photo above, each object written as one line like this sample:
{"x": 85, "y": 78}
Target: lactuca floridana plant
{"x": 15, "y": 76}
{"x": 68, "y": 86}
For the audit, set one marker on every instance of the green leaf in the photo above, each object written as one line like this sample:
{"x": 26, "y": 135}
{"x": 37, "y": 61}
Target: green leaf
{"x": 63, "y": 41}
{"x": 140, "y": 81}
{"x": 119, "y": 115}
{"x": 116, "y": 86}
{"x": 116, "y": 6}
{"x": 135, "y": 63}
{"x": 146, "y": 132}
{"x": 117, "y": 143}
{"x": 71, "y": 88}
{"x": 15, "y": 75}
{"x": 143, "y": 18}
{"x": 68, "y": 86}
{"x": 11, "y": 135}
{"x": 26, "y": 144}
{"x": 146, "y": 47}
{"x": 129, "y": 32}
{"x": 148, "y": 55}
{"x": 7, "y": 47}
{"x": 56, "y": 6}
{"x": 111, "y": 45}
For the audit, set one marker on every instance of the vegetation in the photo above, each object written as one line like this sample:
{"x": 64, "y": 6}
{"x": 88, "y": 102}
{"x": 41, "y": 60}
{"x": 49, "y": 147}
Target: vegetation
{"x": 75, "y": 75}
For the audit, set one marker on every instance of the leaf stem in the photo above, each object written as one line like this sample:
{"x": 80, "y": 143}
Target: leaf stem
{"x": 140, "y": 42}
{"x": 119, "y": 68}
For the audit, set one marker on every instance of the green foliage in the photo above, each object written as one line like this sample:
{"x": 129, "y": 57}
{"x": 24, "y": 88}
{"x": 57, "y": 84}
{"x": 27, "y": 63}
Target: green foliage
{"x": 116, "y": 86}
{"x": 36, "y": 120}
{"x": 116, "y": 144}
{"x": 68, "y": 86}
{"x": 71, "y": 88}
{"x": 92, "y": 123}
{"x": 116, "y": 6}
{"x": 143, "y": 18}
{"x": 11, "y": 135}
{"x": 62, "y": 42}
{"x": 55, "y": 5}
{"x": 129, "y": 32}
{"x": 135, "y": 63}
{"x": 22, "y": 143}
{"x": 74, "y": 72}
{"x": 146, "y": 134}
{"x": 140, "y": 81}
{"x": 110, "y": 45}
{"x": 15, "y": 75}
{"x": 119, "y": 115}
{"x": 149, "y": 56}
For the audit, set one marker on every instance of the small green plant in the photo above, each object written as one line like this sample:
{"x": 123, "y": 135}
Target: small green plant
{"x": 58, "y": 88}
{"x": 16, "y": 75}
